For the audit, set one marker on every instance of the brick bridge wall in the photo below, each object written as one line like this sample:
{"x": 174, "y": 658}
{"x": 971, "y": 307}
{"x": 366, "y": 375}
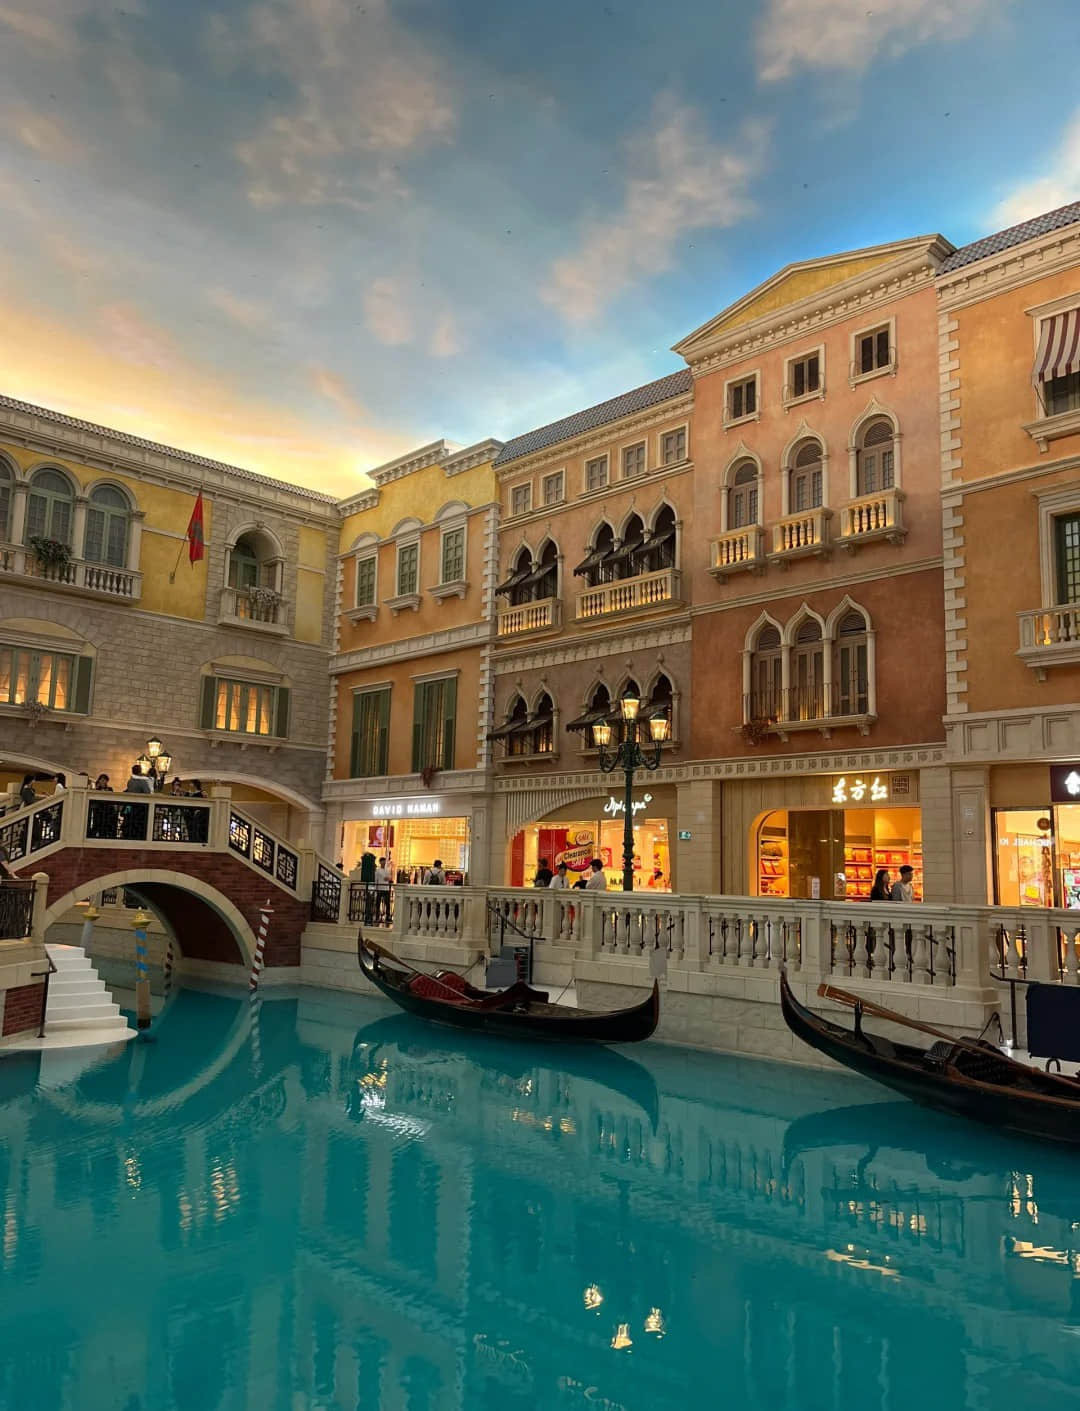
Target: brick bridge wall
{"x": 200, "y": 931}
{"x": 22, "y": 1008}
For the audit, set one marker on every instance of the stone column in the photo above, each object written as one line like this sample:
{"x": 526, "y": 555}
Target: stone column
{"x": 935, "y": 796}
{"x": 970, "y": 834}
{"x": 78, "y": 532}
{"x": 134, "y": 551}
{"x": 17, "y": 527}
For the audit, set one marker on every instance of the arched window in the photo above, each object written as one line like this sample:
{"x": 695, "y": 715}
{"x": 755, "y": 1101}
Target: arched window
{"x": 743, "y": 497}
{"x": 629, "y": 560}
{"x": 598, "y": 564}
{"x": 874, "y": 458}
{"x": 660, "y": 545}
{"x": 516, "y": 728}
{"x": 520, "y": 589}
{"x": 805, "y": 478}
{"x": 599, "y": 708}
{"x": 543, "y": 725}
{"x": 106, "y": 538}
{"x": 851, "y": 677}
{"x": 50, "y": 507}
{"x": 7, "y": 479}
{"x": 545, "y": 574}
{"x": 244, "y": 564}
{"x": 766, "y": 675}
{"x": 807, "y": 672}
{"x": 660, "y": 704}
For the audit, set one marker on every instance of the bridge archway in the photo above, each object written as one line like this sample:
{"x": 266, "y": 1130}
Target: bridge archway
{"x": 203, "y": 922}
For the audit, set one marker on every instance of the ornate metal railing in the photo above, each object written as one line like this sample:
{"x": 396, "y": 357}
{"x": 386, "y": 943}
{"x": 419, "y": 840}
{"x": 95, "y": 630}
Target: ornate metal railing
{"x": 371, "y": 904}
{"x": 326, "y": 894}
{"x": 263, "y": 850}
{"x": 16, "y": 909}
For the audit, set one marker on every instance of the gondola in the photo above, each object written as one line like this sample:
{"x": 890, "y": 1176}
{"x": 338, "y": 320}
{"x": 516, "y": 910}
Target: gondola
{"x": 965, "y": 1077}
{"x": 516, "y": 1012}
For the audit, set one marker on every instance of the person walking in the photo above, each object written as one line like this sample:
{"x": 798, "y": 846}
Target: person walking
{"x": 382, "y": 893}
{"x": 138, "y": 783}
{"x": 543, "y": 874}
{"x": 903, "y": 889}
{"x": 559, "y": 881}
{"x": 435, "y": 876}
{"x": 27, "y": 792}
{"x": 102, "y": 785}
{"x": 60, "y": 784}
{"x": 597, "y": 881}
{"x": 880, "y": 890}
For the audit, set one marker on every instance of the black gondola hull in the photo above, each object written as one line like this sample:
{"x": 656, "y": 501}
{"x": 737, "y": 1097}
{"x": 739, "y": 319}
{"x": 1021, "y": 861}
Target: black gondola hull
{"x": 621, "y": 1026}
{"x": 906, "y": 1071}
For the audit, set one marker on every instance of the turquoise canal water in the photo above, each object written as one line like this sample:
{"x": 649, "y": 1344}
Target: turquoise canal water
{"x": 346, "y": 1210}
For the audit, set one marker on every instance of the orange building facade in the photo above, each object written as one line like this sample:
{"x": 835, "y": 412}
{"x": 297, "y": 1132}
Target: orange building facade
{"x": 1009, "y": 309}
{"x": 410, "y": 694}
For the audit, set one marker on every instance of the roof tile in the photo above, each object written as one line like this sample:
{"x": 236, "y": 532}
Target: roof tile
{"x": 604, "y": 412}
{"x": 1014, "y": 235}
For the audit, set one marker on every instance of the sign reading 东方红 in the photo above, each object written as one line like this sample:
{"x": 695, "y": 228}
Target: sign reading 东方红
{"x": 1065, "y": 783}
{"x": 860, "y": 788}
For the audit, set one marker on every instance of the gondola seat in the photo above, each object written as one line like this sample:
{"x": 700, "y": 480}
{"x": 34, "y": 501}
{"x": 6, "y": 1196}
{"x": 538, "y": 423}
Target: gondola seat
{"x": 447, "y": 987}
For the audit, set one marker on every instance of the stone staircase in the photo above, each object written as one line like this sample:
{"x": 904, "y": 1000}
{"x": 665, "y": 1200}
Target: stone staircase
{"x": 80, "y": 1010}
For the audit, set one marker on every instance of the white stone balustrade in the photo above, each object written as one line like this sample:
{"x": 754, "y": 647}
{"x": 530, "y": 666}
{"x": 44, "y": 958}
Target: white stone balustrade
{"x": 806, "y": 532}
{"x": 629, "y": 594}
{"x": 100, "y": 580}
{"x": 528, "y": 617}
{"x": 872, "y": 517}
{"x": 735, "y": 550}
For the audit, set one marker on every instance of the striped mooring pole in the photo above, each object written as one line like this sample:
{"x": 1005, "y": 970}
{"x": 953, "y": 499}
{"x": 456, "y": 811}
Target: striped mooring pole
{"x": 140, "y": 921}
{"x": 168, "y": 966}
{"x": 265, "y": 913}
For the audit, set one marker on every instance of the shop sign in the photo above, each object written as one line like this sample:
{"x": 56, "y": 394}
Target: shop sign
{"x": 1065, "y": 783}
{"x": 406, "y": 808}
{"x": 616, "y": 806}
{"x": 857, "y": 788}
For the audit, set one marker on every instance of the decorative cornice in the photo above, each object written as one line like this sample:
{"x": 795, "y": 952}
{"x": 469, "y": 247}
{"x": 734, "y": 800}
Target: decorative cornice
{"x": 1010, "y": 269}
{"x": 773, "y": 766}
{"x": 452, "y": 458}
{"x": 362, "y": 500}
{"x": 450, "y": 639}
{"x": 621, "y": 640}
{"x": 655, "y": 415}
{"x": 479, "y": 454}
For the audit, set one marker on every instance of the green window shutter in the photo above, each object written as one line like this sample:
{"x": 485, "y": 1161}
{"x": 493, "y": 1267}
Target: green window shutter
{"x": 209, "y": 693}
{"x": 354, "y": 744}
{"x": 383, "y": 746}
{"x": 420, "y": 700}
{"x": 449, "y": 721}
{"x": 94, "y": 543}
{"x": 281, "y": 726}
{"x": 84, "y": 670}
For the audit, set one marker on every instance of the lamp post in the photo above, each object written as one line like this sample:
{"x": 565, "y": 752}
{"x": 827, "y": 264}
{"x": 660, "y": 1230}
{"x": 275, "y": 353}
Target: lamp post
{"x": 155, "y": 763}
{"x": 629, "y": 756}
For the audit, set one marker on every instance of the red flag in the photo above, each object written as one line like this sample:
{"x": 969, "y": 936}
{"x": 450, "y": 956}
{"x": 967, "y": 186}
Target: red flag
{"x": 196, "y": 542}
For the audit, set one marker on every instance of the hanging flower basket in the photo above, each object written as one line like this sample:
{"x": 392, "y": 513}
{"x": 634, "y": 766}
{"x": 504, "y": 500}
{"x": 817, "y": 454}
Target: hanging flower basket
{"x": 50, "y": 553}
{"x": 263, "y": 597}
{"x": 756, "y": 730}
{"x": 35, "y": 712}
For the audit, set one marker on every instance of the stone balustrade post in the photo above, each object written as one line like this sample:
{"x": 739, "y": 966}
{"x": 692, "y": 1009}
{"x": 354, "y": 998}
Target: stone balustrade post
{"x": 40, "y": 904}
{"x": 692, "y": 911}
{"x": 220, "y": 808}
{"x": 973, "y": 930}
{"x": 74, "y": 814}
{"x": 588, "y": 925}
{"x": 1041, "y": 946}
{"x": 816, "y": 942}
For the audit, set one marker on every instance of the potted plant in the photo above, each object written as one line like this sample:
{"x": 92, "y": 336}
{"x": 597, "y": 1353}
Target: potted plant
{"x": 51, "y": 554}
{"x": 35, "y": 712}
{"x": 263, "y": 602}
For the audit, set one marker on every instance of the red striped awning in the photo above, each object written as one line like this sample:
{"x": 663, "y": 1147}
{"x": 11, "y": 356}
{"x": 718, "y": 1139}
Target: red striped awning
{"x": 1059, "y": 347}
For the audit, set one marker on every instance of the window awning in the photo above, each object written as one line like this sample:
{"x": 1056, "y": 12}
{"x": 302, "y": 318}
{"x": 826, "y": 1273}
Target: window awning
{"x": 514, "y": 581}
{"x": 1059, "y": 347}
{"x": 595, "y": 558}
{"x": 592, "y": 717}
{"x": 628, "y": 550}
{"x": 662, "y": 536}
{"x": 512, "y": 727}
{"x": 540, "y": 572}
{"x": 535, "y": 721}
{"x": 660, "y": 706}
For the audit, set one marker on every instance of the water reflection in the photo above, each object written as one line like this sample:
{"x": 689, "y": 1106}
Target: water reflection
{"x": 291, "y": 1210}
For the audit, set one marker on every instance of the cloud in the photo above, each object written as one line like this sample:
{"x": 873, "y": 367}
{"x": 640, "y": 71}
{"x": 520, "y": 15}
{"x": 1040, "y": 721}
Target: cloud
{"x": 331, "y": 385}
{"x": 851, "y": 34}
{"x": 1059, "y": 187}
{"x": 41, "y": 133}
{"x": 387, "y": 313}
{"x": 445, "y": 340}
{"x": 245, "y": 313}
{"x": 362, "y": 93}
{"x": 680, "y": 181}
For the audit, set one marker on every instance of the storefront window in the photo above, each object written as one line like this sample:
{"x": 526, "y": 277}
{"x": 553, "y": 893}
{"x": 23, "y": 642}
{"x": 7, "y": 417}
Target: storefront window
{"x": 411, "y": 845}
{"x": 577, "y": 842}
{"x": 1037, "y": 856}
{"x": 836, "y": 853}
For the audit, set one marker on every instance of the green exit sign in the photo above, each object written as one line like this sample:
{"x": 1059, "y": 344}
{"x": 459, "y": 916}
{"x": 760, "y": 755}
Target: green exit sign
{"x": 684, "y": 835}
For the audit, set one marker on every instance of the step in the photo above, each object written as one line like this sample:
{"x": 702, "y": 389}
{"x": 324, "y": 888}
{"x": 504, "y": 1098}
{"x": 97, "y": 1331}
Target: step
{"x": 81, "y": 983}
{"x": 92, "y": 1008}
{"x": 67, "y": 965}
{"x": 106, "y": 1021}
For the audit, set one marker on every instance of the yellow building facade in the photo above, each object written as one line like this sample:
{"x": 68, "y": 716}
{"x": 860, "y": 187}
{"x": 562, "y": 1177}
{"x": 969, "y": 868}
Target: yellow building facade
{"x": 411, "y": 672}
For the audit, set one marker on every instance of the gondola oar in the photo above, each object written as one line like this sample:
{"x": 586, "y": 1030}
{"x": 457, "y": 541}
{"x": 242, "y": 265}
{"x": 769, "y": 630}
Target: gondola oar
{"x": 378, "y": 950}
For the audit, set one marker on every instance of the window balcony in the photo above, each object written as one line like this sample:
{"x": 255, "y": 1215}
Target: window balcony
{"x": 876, "y": 516}
{"x": 784, "y": 712}
{"x": 529, "y": 617}
{"x": 1050, "y": 637}
{"x": 800, "y": 534}
{"x": 647, "y": 590}
{"x": 260, "y": 609}
{"x": 97, "y": 580}
{"x": 735, "y": 550}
